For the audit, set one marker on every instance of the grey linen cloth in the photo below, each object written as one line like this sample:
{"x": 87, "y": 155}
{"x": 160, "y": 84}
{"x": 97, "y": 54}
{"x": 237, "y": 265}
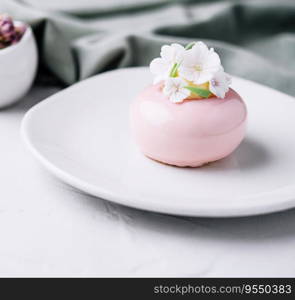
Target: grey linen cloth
{"x": 77, "y": 39}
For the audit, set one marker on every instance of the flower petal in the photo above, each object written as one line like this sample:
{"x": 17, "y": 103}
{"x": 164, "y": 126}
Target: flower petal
{"x": 202, "y": 77}
{"x": 158, "y": 66}
{"x": 175, "y": 90}
{"x": 187, "y": 73}
{"x": 212, "y": 62}
{"x": 173, "y": 53}
{"x": 178, "y": 97}
{"x": 219, "y": 84}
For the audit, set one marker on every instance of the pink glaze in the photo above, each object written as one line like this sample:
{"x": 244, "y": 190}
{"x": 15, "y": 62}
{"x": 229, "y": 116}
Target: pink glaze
{"x": 191, "y": 133}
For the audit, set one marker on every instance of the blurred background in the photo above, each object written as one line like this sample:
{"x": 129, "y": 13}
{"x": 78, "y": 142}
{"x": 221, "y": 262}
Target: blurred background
{"x": 80, "y": 38}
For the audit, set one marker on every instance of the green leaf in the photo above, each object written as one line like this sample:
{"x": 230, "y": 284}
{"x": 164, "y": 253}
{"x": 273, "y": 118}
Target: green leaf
{"x": 173, "y": 71}
{"x": 199, "y": 92}
{"x": 189, "y": 46}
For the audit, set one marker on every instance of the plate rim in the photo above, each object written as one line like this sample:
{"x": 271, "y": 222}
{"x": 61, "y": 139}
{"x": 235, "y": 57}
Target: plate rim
{"x": 173, "y": 209}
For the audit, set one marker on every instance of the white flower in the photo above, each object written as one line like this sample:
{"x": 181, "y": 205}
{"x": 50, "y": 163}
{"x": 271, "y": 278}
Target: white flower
{"x": 219, "y": 84}
{"x": 162, "y": 66}
{"x": 175, "y": 89}
{"x": 199, "y": 64}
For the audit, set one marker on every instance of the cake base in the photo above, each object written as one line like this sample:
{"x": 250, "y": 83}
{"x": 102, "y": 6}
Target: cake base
{"x": 183, "y": 164}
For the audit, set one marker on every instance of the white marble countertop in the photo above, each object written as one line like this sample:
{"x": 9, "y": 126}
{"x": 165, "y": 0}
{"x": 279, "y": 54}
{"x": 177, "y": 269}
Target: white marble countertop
{"x": 50, "y": 229}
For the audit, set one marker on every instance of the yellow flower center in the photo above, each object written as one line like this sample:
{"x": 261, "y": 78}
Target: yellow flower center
{"x": 204, "y": 86}
{"x": 198, "y": 68}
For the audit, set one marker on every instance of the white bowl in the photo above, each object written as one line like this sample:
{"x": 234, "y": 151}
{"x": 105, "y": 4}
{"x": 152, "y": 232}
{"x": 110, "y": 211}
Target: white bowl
{"x": 18, "y": 65}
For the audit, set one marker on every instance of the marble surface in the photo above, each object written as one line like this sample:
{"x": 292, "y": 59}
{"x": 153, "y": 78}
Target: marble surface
{"x": 49, "y": 229}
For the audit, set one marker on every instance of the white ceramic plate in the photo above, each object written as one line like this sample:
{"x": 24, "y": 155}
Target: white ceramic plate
{"x": 82, "y": 136}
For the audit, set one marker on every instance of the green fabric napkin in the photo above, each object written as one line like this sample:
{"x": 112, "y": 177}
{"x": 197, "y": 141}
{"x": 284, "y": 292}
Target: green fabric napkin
{"x": 79, "y": 38}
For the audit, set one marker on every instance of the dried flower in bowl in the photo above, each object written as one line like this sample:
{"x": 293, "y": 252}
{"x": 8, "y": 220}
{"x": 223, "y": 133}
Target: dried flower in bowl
{"x": 10, "y": 33}
{"x": 18, "y": 59}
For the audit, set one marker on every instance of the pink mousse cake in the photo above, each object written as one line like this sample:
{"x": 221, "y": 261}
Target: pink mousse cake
{"x": 189, "y": 121}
